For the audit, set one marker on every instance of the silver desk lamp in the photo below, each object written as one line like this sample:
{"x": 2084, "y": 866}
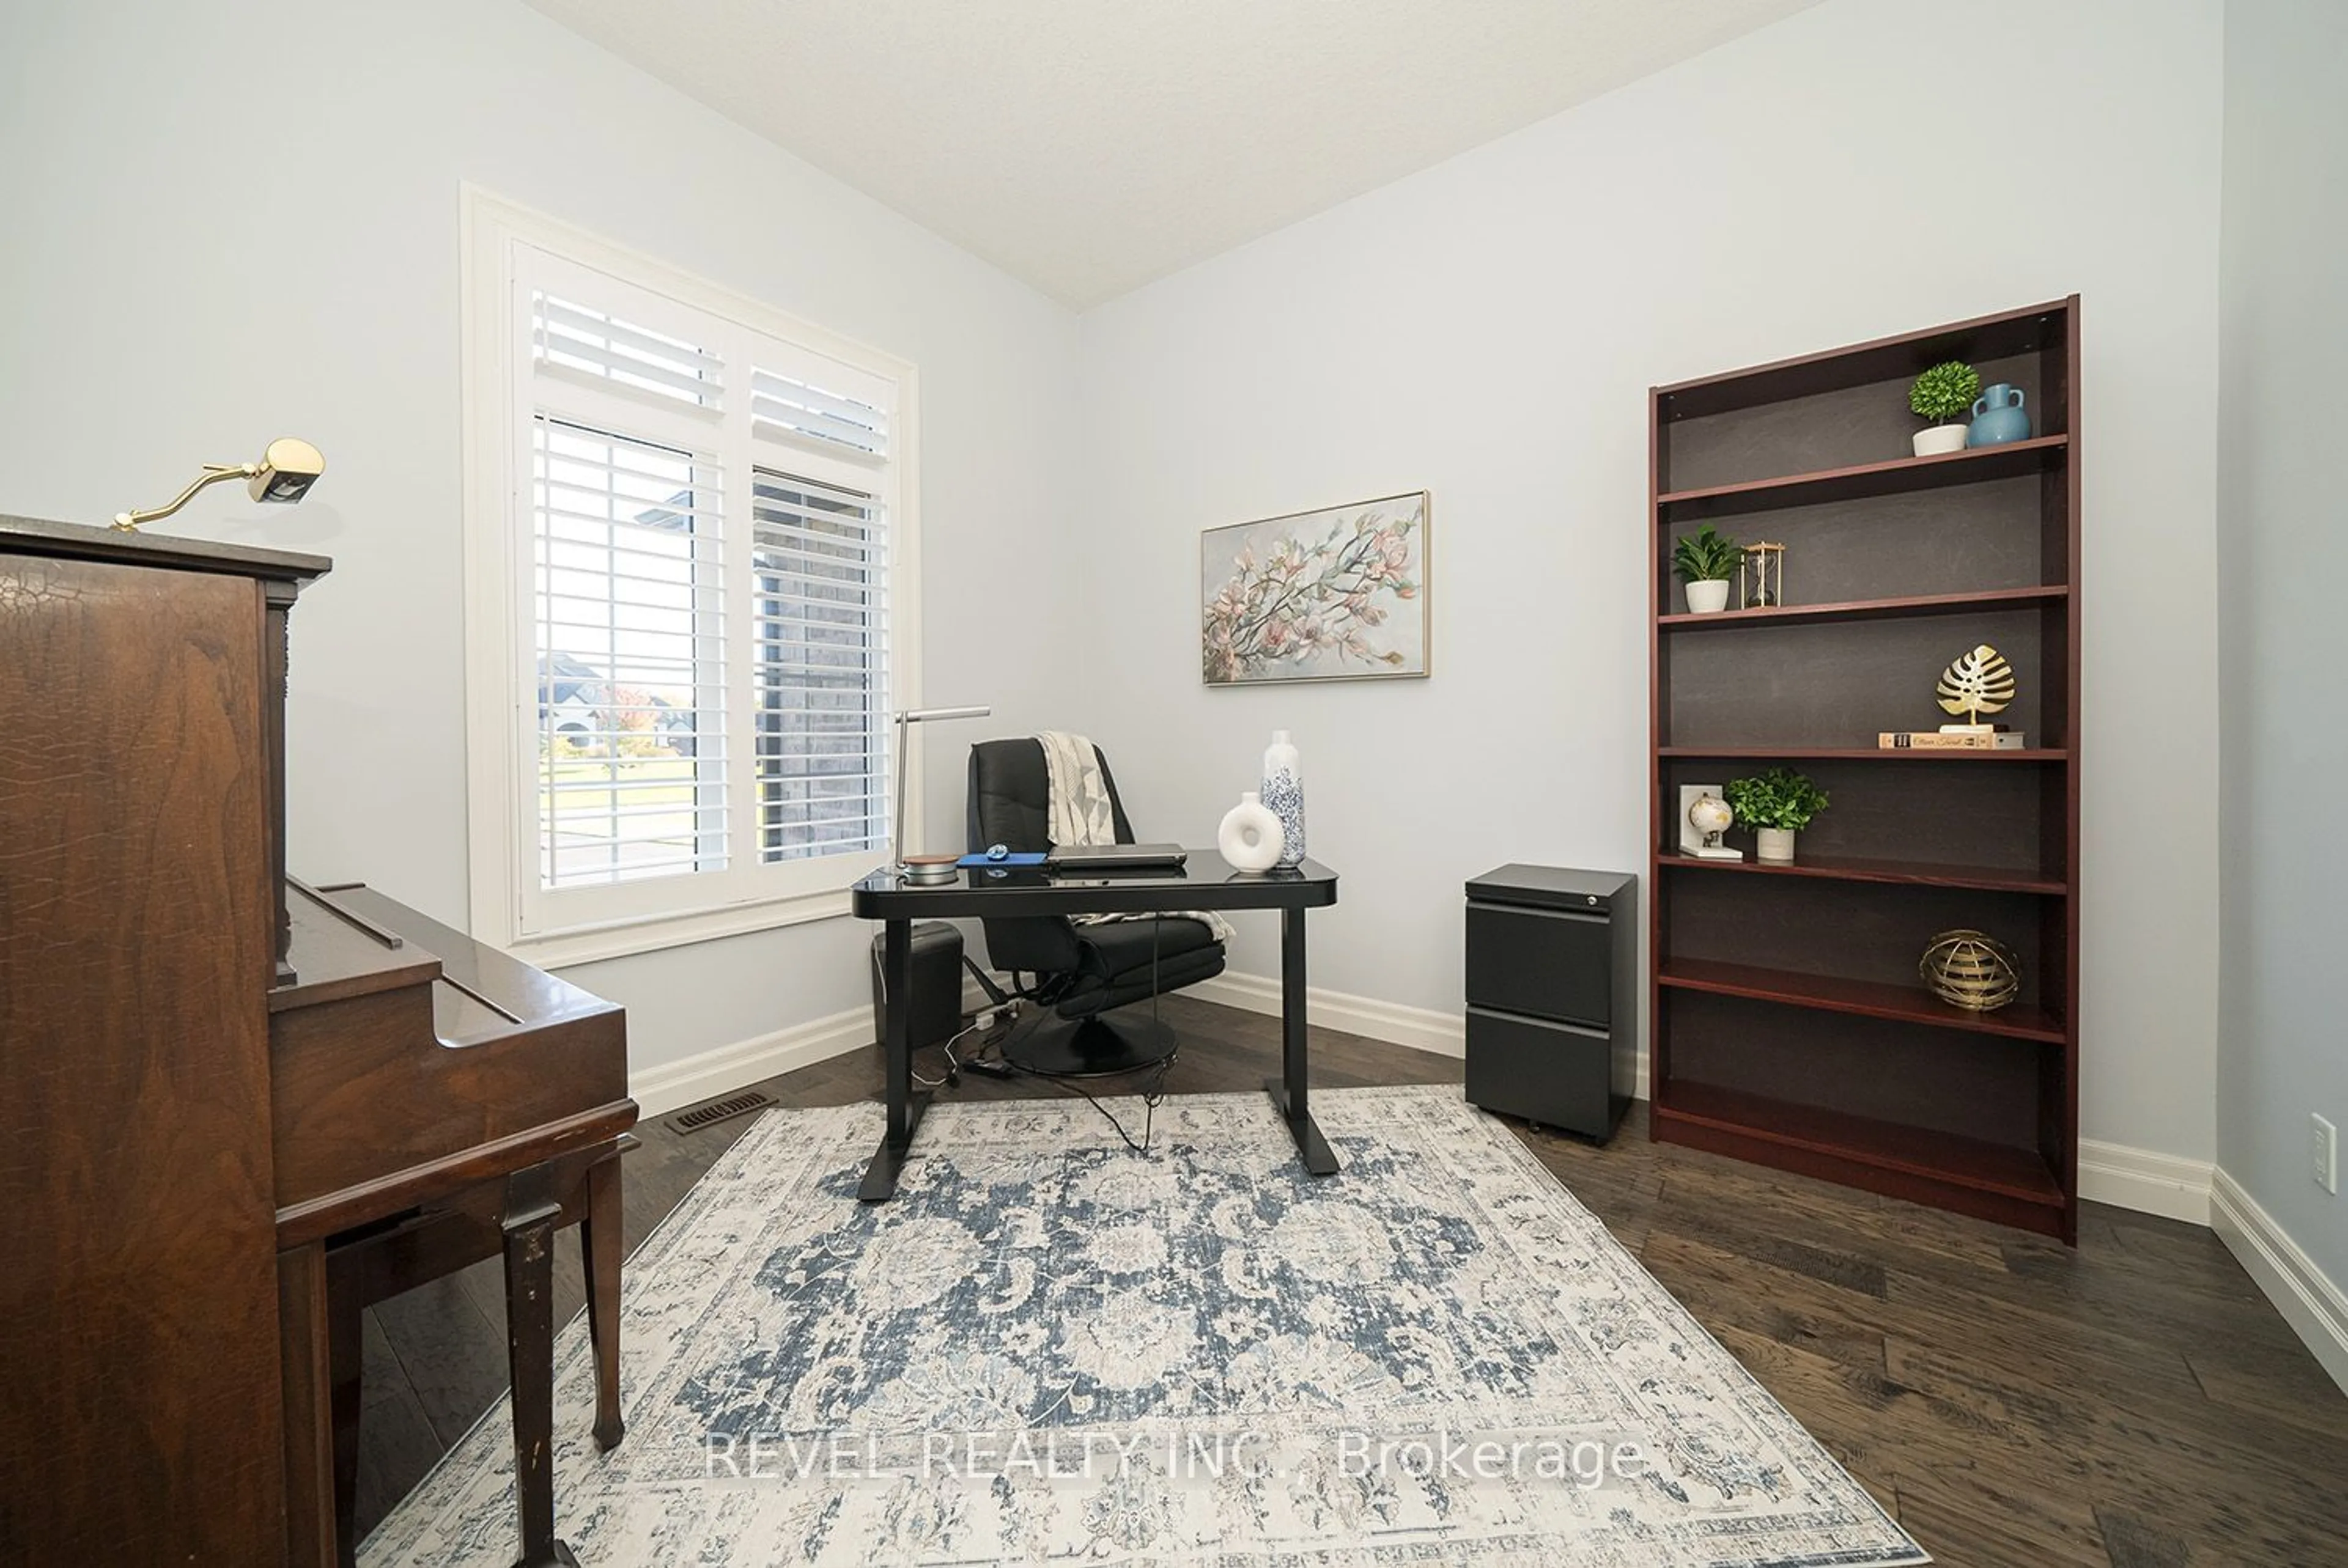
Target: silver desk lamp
{"x": 906, "y": 719}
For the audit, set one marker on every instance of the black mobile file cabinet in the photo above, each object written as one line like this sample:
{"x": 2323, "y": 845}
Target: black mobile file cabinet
{"x": 1552, "y": 978}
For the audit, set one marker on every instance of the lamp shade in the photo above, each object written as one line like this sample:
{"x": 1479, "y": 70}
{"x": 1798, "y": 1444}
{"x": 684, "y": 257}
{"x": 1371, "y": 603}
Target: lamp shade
{"x": 286, "y": 470}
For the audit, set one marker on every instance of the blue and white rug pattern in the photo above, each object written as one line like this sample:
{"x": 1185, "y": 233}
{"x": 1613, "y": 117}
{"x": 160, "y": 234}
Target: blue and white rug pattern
{"x": 1050, "y": 1349}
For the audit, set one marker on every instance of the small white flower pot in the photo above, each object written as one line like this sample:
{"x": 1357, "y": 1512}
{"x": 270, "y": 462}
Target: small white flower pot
{"x": 1775, "y": 844}
{"x": 1940, "y": 438}
{"x": 1707, "y": 597}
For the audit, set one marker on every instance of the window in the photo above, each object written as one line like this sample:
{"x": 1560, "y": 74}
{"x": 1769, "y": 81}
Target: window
{"x": 689, "y": 603}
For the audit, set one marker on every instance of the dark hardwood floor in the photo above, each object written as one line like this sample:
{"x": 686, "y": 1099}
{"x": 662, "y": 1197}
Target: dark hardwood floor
{"x": 2132, "y": 1404}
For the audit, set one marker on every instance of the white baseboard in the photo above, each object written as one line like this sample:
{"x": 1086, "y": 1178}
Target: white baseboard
{"x": 1422, "y": 1028}
{"x": 661, "y": 1089}
{"x": 1446, "y": 1034}
{"x": 2315, "y": 1307}
{"x": 2140, "y": 1179}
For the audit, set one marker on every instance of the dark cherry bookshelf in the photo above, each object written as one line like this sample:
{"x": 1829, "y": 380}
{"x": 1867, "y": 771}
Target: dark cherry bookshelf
{"x": 1790, "y": 1026}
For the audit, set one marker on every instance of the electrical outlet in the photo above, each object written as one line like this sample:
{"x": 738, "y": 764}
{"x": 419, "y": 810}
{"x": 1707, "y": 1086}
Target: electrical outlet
{"x": 2323, "y": 1154}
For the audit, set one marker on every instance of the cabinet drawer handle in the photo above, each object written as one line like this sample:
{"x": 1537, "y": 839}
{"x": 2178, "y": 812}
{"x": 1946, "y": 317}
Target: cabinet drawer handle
{"x": 1584, "y": 1031}
{"x": 1579, "y": 917}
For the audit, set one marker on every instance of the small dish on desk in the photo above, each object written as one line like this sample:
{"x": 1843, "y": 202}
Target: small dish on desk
{"x": 932, "y": 870}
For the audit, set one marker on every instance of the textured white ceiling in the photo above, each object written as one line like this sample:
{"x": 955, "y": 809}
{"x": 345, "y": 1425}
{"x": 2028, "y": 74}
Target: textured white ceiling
{"x": 1090, "y": 145}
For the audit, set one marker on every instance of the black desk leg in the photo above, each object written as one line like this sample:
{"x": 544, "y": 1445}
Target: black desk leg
{"x": 530, "y": 1215}
{"x": 905, "y": 1107}
{"x": 1288, "y": 1091}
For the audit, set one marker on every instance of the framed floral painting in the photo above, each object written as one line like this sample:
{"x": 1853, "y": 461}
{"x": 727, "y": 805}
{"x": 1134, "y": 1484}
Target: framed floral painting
{"x": 1338, "y": 594}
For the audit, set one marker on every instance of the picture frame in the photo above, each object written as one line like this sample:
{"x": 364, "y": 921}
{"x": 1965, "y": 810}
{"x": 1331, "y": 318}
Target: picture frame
{"x": 1337, "y": 593}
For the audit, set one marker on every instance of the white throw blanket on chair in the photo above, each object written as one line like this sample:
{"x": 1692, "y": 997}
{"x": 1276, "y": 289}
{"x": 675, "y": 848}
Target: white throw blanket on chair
{"x": 1078, "y": 812}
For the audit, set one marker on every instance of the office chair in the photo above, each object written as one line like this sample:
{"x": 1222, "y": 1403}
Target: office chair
{"x": 1081, "y": 973}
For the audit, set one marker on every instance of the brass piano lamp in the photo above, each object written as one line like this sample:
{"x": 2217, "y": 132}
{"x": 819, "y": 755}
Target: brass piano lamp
{"x": 285, "y": 473}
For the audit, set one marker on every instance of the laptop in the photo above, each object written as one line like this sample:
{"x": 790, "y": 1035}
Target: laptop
{"x": 1118, "y": 857}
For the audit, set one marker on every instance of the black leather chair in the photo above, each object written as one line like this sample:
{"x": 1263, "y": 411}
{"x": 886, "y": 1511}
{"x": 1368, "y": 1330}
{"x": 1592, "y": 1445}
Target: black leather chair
{"x": 1080, "y": 971}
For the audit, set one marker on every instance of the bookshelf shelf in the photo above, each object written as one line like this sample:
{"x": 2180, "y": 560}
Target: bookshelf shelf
{"x": 1867, "y": 998}
{"x": 1789, "y": 1028}
{"x": 1862, "y": 869}
{"x": 1900, "y": 476}
{"x": 1871, "y": 609}
{"x": 1792, "y": 1131}
{"x": 1863, "y": 754}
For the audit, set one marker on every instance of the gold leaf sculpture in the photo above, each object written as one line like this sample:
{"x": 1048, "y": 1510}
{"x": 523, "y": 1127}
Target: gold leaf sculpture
{"x": 1970, "y": 970}
{"x": 1979, "y": 683}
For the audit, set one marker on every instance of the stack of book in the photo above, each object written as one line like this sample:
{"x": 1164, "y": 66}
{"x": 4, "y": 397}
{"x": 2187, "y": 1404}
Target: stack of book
{"x": 1950, "y": 741}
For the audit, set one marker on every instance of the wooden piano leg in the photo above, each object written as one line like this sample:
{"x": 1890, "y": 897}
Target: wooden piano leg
{"x": 344, "y": 1354}
{"x": 530, "y": 1213}
{"x": 302, "y": 1314}
{"x": 599, "y": 1244}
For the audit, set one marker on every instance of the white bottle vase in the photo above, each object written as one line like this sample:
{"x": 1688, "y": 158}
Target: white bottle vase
{"x": 1284, "y": 792}
{"x": 1250, "y": 836}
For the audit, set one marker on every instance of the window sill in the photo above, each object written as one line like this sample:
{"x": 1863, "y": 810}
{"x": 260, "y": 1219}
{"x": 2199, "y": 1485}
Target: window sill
{"x": 621, "y": 939}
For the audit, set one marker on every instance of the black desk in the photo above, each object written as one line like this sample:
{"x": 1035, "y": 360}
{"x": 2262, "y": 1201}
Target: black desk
{"x": 1207, "y": 883}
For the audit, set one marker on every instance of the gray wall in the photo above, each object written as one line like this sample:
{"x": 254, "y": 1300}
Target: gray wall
{"x": 2282, "y": 630}
{"x": 1489, "y": 328}
{"x": 238, "y": 219}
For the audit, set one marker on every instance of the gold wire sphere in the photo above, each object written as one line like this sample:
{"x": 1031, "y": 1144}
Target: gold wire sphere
{"x": 1970, "y": 970}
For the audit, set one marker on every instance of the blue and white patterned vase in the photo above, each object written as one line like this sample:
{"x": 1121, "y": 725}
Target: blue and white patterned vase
{"x": 1283, "y": 793}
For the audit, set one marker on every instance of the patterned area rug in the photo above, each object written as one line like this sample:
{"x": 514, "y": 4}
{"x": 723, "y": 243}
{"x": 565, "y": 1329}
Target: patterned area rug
{"x": 1049, "y": 1348}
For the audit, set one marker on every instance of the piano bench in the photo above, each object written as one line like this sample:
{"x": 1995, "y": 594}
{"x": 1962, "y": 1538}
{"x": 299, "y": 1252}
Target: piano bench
{"x": 514, "y": 1216}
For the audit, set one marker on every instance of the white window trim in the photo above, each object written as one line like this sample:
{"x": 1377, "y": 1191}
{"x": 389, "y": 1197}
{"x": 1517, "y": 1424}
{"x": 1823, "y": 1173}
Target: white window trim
{"x": 490, "y": 227}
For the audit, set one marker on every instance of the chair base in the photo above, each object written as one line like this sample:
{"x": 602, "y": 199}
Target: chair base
{"x": 1101, "y": 1046}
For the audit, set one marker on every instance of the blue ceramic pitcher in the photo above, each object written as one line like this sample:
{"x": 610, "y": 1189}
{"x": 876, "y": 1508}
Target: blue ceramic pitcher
{"x": 1998, "y": 417}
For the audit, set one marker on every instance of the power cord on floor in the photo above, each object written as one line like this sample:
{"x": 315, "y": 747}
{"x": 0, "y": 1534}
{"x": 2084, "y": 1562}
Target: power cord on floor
{"x": 1157, "y": 1090}
{"x": 1150, "y": 1099}
{"x": 1003, "y": 1066}
{"x": 1006, "y": 1006}
{"x": 953, "y": 1063}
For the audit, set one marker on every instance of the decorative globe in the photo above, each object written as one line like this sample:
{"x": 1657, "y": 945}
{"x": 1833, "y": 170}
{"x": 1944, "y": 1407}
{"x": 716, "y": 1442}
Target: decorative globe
{"x": 1970, "y": 970}
{"x": 1709, "y": 815}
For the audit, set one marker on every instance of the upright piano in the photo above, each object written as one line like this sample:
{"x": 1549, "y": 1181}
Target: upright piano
{"x": 238, "y": 1108}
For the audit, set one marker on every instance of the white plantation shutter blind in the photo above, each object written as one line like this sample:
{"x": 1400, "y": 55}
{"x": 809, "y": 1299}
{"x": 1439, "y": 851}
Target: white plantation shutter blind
{"x": 819, "y": 557}
{"x": 790, "y": 409}
{"x": 703, "y": 538}
{"x": 631, "y": 651}
{"x": 591, "y": 344}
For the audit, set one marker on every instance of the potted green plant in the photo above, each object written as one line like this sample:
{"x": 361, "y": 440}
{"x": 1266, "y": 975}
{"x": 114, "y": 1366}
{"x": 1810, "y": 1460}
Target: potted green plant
{"x": 1943, "y": 394}
{"x": 1776, "y": 805}
{"x": 1705, "y": 560}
